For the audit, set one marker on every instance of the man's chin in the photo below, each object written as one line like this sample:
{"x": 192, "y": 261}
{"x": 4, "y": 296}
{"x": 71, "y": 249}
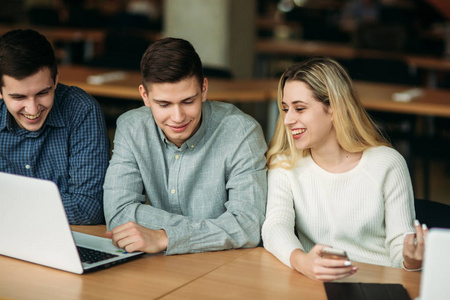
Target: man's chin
{"x": 31, "y": 126}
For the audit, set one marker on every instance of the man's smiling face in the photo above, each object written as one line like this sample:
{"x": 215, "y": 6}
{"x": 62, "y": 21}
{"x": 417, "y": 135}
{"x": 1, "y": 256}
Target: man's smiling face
{"x": 176, "y": 107}
{"x": 29, "y": 100}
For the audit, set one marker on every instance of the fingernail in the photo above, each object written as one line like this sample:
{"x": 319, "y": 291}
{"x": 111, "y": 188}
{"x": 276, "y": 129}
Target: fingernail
{"x": 424, "y": 226}
{"x": 416, "y": 223}
{"x": 347, "y": 263}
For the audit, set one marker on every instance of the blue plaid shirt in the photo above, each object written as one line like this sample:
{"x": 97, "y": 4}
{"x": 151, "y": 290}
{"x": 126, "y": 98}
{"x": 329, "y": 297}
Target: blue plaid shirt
{"x": 71, "y": 149}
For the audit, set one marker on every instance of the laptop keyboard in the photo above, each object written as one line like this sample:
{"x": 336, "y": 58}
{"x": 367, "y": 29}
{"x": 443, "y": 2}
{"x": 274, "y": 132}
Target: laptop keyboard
{"x": 91, "y": 256}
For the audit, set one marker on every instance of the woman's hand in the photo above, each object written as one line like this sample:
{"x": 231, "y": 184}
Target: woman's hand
{"x": 313, "y": 265}
{"x": 413, "y": 247}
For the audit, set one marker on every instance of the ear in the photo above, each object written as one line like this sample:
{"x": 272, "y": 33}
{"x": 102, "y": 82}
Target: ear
{"x": 57, "y": 78}
{"x": 204, "y": 89}
{"x": 330, "y": 112}
{"x": 144, "y": 95}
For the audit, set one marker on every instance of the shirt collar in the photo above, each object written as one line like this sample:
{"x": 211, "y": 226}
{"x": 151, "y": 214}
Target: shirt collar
{"x": 55, "y": 117}
{"x": 4, "y": 116}
{"x": 196, "y": 138}
{"x": 7, "y": 121}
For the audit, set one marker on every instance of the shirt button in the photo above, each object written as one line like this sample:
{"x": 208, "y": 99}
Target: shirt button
{"x": 27, "y": 167}
{"x": 192, "y": 146}
{"x": 173, "y": 191}
{"x": 177, "y": 156}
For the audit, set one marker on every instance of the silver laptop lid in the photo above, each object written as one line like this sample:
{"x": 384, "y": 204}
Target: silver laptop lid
{"x": 435, "y": 278}
{"x": 34, "y": 225}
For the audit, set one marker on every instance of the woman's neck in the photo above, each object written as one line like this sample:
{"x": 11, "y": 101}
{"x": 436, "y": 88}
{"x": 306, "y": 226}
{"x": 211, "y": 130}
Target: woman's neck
{"x": 335, "y": 159}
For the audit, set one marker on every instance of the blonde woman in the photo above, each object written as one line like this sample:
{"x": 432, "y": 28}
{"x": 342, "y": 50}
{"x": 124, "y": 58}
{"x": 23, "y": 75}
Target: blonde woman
{"x": 335, "y": 181}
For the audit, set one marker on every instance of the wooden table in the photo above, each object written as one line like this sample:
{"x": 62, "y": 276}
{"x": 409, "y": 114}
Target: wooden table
{"x": 93, "y": 39}
{"x": 259, "y": 275}
{"x": 319, "y": 48}
{"x": 149, "y": 277}
{"x": 232, "y": 274}
{"x": 61, "y": 34}
{"x": 298, "y": 48}
{"x": 374, "y": 96}
{"x": 231, "y": 90}
{"x": 68, "y": 34}
{"x": 304, "y": 48}
{"x": 378, "y": 96}
{"x": 431, "y": 64}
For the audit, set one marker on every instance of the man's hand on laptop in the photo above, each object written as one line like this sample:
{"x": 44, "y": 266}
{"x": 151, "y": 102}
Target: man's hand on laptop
{"x": 134, "y": 237}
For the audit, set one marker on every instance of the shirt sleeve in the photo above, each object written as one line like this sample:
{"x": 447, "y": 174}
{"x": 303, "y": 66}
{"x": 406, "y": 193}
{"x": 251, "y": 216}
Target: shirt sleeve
{"x": 278, "y": 231}
{"x": 89, "y": 152}
{"x": 238, "y": 226}
{"x": 399, "y": 208}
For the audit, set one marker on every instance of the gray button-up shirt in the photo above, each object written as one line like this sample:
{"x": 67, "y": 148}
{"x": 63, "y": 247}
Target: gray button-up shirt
{"x": 209, "y": 194}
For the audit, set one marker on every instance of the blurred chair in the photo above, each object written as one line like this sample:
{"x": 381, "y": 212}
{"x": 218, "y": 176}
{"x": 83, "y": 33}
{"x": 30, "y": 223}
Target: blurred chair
{"x": 431, "y": 213}
{"x": 126, "y": 20}
{"x": 317, "y": 24}
{"x": 426, "y": 149}
{"x": 382, "y": 67}
{"x": 382, "y": 70}
{"x": 217, "y": 72}
{"x": 43, "y": 16}
{"x": 80, "y": 17}
{"x": 384, "y": 37}
{"x": 122, "y": 50}
{"x": 399, "y": 129}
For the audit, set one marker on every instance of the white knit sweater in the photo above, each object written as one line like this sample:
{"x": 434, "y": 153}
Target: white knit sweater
{"x": 366, "y": 211}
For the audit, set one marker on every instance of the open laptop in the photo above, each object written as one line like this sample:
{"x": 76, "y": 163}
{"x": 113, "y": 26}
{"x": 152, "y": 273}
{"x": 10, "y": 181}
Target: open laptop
{"x": 34, "y": 228}
{"x": 435, "y": 278}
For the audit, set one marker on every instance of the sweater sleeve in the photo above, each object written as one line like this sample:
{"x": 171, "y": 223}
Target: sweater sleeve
{"x": 278, "y": 231}
{"x": 399, "y": 207}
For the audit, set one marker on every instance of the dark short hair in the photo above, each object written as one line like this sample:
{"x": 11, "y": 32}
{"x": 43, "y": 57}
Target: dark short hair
{"x": 170, "y": 60}
{"x": 24, "y": 53}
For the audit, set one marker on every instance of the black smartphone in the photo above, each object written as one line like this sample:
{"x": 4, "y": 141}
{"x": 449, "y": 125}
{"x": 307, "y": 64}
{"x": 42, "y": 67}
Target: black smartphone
{"x": 334, "y": 253}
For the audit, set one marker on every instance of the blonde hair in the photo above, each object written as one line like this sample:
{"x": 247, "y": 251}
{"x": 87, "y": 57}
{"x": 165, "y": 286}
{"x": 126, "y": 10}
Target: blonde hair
{"x": 331, "y": 85}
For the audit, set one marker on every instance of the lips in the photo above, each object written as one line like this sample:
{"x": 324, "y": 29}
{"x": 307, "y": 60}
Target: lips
{"x": 298, "y": 132}
{"x": 179, "y": 128}
{"x": 33, "y": 117}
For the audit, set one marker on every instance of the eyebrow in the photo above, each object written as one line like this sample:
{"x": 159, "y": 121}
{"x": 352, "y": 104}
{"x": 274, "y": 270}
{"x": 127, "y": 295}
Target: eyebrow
{"x": 185, "y": 99}
{"x": 46, "y": 89}
{"x": 41, "y": 91}
{"x": 295, "y": 102}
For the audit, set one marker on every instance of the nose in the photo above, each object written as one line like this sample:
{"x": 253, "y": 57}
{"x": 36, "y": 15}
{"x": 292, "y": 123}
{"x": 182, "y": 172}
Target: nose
{"x": 177, "y": 114}
{"x": 288, "y": 118}
{"x": 32, "y": 106}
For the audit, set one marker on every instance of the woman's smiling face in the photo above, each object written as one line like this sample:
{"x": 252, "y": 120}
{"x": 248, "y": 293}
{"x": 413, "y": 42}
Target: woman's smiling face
{"x": 309, "y": 121}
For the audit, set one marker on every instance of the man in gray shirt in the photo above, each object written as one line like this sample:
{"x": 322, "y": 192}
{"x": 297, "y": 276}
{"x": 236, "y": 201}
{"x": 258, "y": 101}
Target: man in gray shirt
{"x": 200, "y": 163}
